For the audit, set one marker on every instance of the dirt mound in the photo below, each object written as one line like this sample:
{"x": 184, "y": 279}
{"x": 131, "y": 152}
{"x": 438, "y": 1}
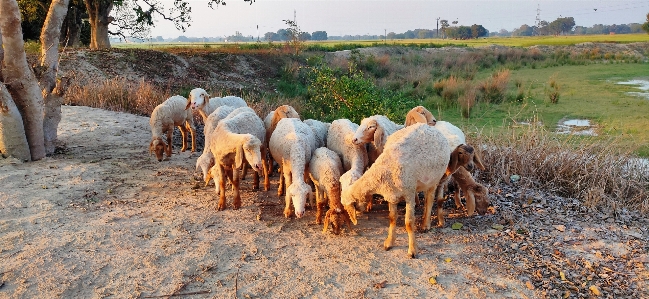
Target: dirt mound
{"x": 186, "y": 69}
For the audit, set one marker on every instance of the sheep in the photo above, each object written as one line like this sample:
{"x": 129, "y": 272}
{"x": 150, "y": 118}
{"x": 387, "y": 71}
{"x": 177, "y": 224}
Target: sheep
{"x": 340, "y": 140}
{"x": 475, "y": 193}
{"x": 325, "y": 169}
{"x": 200, "y": 100}
{"x": 375, "y": 129}
{"x": 414, "y": 159}
{"x": 420, "y": 114}
{"x": 237, "y": 141}
{"x": 270, "y": 122}
{"x": 320, "y": 130}
{"x": 206, "y": 161}
{"x": 291, "y": 145}
{"x": 163, "y": 119}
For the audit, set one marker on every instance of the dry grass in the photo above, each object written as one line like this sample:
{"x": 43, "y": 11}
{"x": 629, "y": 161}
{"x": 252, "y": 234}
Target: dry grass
{"x": 592, "y": 170}
{"x": 467, "y": 101}
{"x": 118, "y": 95}
{"x": 493, "y": 89}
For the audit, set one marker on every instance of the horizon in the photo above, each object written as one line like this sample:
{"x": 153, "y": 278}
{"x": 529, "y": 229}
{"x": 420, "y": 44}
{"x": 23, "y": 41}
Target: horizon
{"x": 377, "y": 17}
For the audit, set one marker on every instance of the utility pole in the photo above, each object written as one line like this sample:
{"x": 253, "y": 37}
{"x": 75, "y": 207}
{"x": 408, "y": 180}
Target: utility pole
{"x": 385, "y": 35}
{"x": 438, "y": 27}
{"x": 294, "y": 14}
{"x": 538, "y": 20}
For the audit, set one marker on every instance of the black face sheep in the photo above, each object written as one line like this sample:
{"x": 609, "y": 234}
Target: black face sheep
{"x": 163, "y": 119}
{"x": 414, "y": 159}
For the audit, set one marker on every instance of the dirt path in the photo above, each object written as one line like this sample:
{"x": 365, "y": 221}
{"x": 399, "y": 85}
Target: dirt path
{"x": 104, "y": 219}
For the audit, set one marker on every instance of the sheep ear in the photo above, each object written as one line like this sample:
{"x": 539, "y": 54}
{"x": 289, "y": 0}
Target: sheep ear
{"x": 379, "y": 133}
{"x": 189, "y": 102}
{"x": 478, "y": 161}
{"x": 453, "y": 162}
{"x": 415, "y": 117}
{"x": 238, "y": 159}
{"x": 151, "y": 148}
{"x": 206, "y": 97}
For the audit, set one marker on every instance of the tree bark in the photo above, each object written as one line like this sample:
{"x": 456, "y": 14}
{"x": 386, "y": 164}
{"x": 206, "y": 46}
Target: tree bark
{"x": 20, "y": 79}
{"x": 50, "y": 66}
{"x": 71, "y": 29}
{"x": 12, "y": 133}
{"x": 99, "y": 15}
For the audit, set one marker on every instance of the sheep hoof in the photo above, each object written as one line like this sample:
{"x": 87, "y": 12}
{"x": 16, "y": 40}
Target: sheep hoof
{"x": 386, "y": 247}
{"x": 412, "y": 255}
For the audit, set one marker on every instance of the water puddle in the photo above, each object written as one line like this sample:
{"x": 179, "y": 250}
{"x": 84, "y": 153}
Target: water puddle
{"x": 642, "y": 85}
{"x": 580, "y": 127}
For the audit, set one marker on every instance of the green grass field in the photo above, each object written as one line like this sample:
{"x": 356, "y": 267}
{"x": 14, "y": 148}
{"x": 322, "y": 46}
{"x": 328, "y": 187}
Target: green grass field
{"x": 504, "y": 41}
{"x": 586, "y": 92}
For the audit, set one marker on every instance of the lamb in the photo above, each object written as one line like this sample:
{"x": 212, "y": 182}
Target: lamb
{"x": 163, "y": 119}
{"x": 420, "y": 114}
{"x": 320, "y": 130}
{"x": 206, "y": 161}
{"x": 291, "y": 145}
{"x": 375, "y": 129}
{"x": 199, "y": 99}
{"x": 325, "y": 169}
{"x": 475, "y": 193}
{"x": 414, "y": 159}
{"x": 237, "y": 141}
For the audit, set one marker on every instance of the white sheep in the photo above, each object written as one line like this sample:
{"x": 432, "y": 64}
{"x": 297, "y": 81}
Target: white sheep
{"x": 206, "y": 161}
{"x": 238, "y": 142}
{"x": 419, "y": 114}
{"x": 291, "y": 145}
{"x": 270, "y": 122}
{"x": 340, "y": 140}
{"x": 320, "y": 130}
{"x": 200, "y": 99}
{"x": 325, "y": 169}
{"x": 163, "y": 119}
{"x": 414, "y": 159}
{"x": 375, "y": 129}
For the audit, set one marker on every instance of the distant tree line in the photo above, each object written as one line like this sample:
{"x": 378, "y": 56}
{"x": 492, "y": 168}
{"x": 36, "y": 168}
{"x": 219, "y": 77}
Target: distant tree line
{"x": 285, "y": 35}
{"x": 566, "y": 26}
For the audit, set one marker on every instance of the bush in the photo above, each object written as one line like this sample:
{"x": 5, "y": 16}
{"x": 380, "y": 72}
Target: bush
{"x": 493, "y": 89}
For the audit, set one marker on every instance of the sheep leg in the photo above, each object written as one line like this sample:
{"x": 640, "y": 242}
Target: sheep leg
{"x": 266, "y": 169}
{"x": 326, "y": 220}
{"x": 183, "y": 133}
{"x": 255, "y": 180}
{"x": 428, "y": 207}
{"x": 287, "y": 180}
{"x": 439, "y": 197}
{"x": 389, "y": 242}
{"x": 192, "y": 131}
{"x": 222, "y": 177}
{"x": 458, "y": 201}
{"x": 236, "y": 204}
{"x": 470, "y": 201}
{"x": 169, "y": 144}
{"x": 410, "y": 228}
{"x": 280, "y": 187}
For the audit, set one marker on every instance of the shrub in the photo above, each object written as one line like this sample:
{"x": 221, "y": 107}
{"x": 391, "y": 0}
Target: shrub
{"x": 493, "y": 89}
{"x": 467, "y": 101}
{"x": 553, "y": 92}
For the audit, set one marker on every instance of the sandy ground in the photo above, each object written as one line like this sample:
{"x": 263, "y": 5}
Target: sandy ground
{"x": 103, "y": 219}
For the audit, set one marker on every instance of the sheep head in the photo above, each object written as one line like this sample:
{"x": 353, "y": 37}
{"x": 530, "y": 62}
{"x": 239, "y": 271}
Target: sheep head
{"x": 298, "y": 192}
{"x": 205, "y": 163}
{"x": 337, "y": 217}
{"x": 251, "y": 150}
{"x": 481, "y": 199}
{"x": 368, "y": 131}
{"x": 197, "y": 98}
{"x": 158, "y": 146}
{"x": 420, "y": 114}
{"x": 460, "y": 157}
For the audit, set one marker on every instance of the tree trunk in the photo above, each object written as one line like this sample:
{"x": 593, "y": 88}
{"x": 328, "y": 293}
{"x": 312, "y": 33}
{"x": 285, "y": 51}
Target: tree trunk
{"x": 71, "y": 30}
{"x": 12, "y": 133}
{"x": 20, "y": 79}
{"x": 50, "y": 66}
{"x": 99, "y": 15}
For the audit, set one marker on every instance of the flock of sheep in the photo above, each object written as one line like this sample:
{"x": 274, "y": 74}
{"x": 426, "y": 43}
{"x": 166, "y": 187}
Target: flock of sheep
{"x": 347, "y": 163}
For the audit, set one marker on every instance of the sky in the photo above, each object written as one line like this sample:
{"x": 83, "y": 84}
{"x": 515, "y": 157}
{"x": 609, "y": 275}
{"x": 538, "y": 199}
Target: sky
{"x": 376, "y": 17}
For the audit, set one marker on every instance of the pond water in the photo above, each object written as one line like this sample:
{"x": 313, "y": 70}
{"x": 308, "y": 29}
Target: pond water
{"x": 576, "y": 127}
{"x": 642, "y": 85}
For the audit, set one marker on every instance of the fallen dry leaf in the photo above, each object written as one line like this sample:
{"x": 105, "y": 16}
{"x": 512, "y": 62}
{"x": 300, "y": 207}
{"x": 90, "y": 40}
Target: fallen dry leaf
{"x": 432, "y": 280}
{"x": 529, "y": 285}
{"x": 560, "y": 228}
{"x": 595, "y": 290}
{"x": 380, "y": 285}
